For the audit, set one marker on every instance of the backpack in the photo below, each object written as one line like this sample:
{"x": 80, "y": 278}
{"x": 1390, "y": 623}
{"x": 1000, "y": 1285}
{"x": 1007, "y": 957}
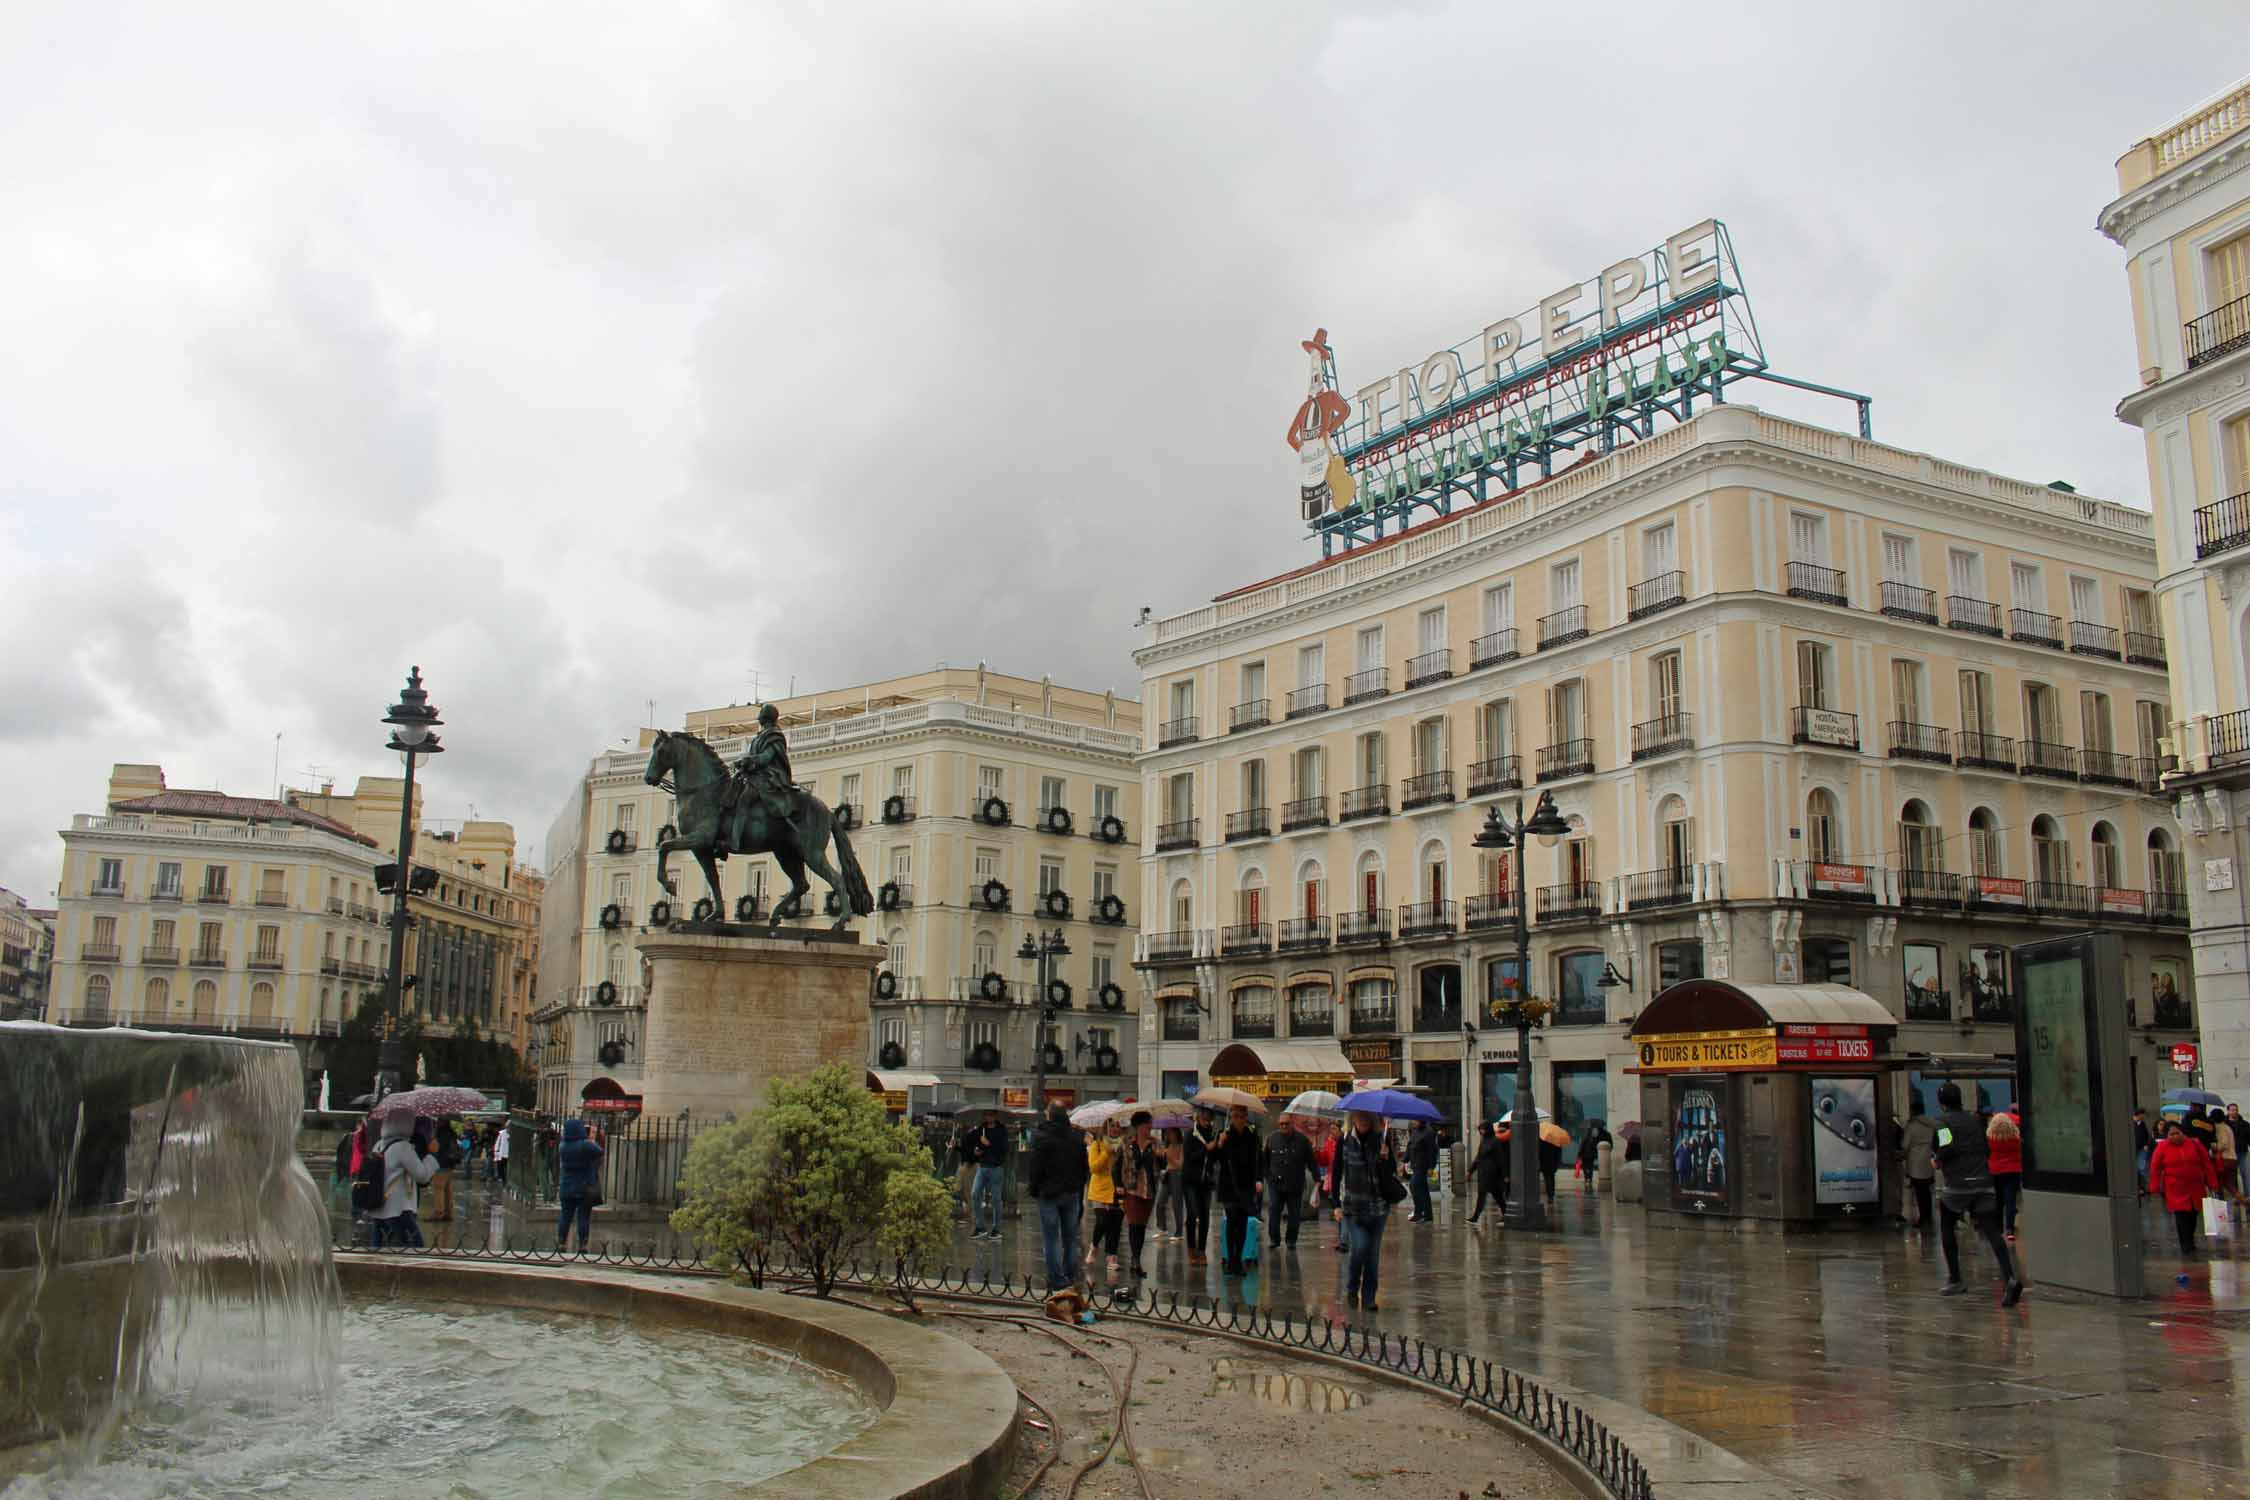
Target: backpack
{"x": 367, "y": 1187}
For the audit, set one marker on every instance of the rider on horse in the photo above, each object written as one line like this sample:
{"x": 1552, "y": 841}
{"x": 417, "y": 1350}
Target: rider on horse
{"x": 763, "y": 771}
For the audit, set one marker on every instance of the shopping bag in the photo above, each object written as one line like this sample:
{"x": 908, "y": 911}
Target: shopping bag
{"x": 2218, "y": 1218}
{"x": 1250, "y": 1240}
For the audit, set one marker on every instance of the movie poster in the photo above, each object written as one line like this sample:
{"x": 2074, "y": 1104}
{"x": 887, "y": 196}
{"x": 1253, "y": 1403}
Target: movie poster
{"x": 2168, "y": 1001}
{"x": 2058, "y": 1074}
{"x": 1984, "y": 984}
{"x": 1700, "y": 1165}
{"x": 1843, "y": 1128}
{"x": 1926, "y": 999}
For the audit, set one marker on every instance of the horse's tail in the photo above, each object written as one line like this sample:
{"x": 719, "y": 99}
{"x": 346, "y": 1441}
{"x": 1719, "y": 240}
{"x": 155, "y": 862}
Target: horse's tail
{"x": 855, "y": 879}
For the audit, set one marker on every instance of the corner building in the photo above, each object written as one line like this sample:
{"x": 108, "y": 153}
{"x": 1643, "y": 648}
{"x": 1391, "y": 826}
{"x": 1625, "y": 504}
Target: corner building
{"x": 1817, "y": 710}
{"x": 2182, "y": 216}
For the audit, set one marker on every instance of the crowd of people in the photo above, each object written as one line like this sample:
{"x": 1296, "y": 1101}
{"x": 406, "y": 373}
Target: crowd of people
{"x": 384, "y": 1166}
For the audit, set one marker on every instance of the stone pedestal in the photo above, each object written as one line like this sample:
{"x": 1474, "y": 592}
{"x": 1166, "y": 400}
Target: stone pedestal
{"x": 732, "y": 1008}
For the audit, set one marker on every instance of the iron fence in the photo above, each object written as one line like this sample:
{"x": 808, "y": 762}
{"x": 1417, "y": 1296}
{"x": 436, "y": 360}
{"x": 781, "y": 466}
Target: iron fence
{"x": 642, "y": 1163}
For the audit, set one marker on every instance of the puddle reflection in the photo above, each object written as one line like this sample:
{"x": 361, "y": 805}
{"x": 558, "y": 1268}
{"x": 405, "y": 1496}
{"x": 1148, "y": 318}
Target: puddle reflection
{"x": 1288, "y": 1392}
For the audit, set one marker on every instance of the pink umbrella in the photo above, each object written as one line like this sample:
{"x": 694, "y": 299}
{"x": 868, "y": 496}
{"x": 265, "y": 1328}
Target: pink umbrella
{"x": 431, "y": 1103}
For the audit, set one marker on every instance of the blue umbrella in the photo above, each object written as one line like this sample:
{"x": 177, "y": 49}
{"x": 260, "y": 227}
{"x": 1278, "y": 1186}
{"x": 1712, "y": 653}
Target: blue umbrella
{"x": 1390, "y": 1104}
{"x": 2192, "y": 1096}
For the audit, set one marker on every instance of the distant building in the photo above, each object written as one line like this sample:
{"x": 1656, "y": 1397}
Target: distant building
{"x": 984, "y": 808}
{"x": 27, "y": 941}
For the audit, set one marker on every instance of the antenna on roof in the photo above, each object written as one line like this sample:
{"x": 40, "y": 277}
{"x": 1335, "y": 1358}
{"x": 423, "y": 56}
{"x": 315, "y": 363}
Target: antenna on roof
{"x": 1143, "y": 620}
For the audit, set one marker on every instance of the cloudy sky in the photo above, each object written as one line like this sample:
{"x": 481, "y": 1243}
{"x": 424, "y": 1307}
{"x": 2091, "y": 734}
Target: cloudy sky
{"x": 593, "y": 355}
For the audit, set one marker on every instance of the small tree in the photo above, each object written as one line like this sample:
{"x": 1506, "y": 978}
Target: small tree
{"x": 917, "y": 1226}
{"x": 724, "y": 1210}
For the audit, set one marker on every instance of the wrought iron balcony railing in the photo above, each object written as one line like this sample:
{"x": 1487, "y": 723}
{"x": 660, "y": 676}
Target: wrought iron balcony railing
{"x": 1911, "y": 741}
{"x": 1654, "y": 595}
{"x": 1500, "y": 773}
{"x": 1570, "y": 758}
{"x": 1417, "y": 919}
{"x": 1246, "y": 937}
{"x": 1181, "y": 731}
{"x": 1489, "y": 910}
{"x": 1991, "y": 752}
{"x": 1820, "y": 585}
{"x": 1562, "y": 627}
{"x": 1929, "y": 888}
{"x": 1307, "y": 700}
{"x": 1426, "y": 789}
{"x": 2096, "y": 640}
{"x": 2107, "y": 768}
{"x": 1904, "y": 601}
{"x": 1169, "y": 947}
{"x": 1305, "y": 812}
{"x": 2227, "y": 737}
{"x": 2046, "y": 758}
{"x": 1831, "y": 727}
{"x": 1300, "y": 934}
{"x": 1250, "y": 823}
{"x": 1181, "y": 833}
{"x": 2035, "y": 628}
{"x": 1365, "y": 802}
{"x": 2145, "y": 648}
{"x": 1572, "y": 901}
{"x": 1652, "y": 888}
{"x": 1362, "y": 686}
{"x": 1430, "y": 666}
{"x": 1663, "y": 734}
{"x": 2222, "y": 330}
{"x": 1492, "y": 649}
{"x": 1976, "y": 616}
{"x": 1255, "y": 714}
{"x": 1356, "y": 927}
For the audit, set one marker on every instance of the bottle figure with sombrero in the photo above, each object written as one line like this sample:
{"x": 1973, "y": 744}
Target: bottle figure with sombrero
{"x": 1324, "y": 485}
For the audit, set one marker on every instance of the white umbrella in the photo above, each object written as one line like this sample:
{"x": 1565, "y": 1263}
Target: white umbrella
{"x": 1316, "y": 1104}
{"x": 1095, "y": 1115}
{"x": 1509, "y": 1117}
{"x": 1219, "y": 1096}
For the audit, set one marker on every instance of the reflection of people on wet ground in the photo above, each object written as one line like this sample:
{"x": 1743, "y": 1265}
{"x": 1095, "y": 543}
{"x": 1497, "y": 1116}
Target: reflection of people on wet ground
{"x": 2182, "y": 1173}
{"x": 1962, "y": 1155}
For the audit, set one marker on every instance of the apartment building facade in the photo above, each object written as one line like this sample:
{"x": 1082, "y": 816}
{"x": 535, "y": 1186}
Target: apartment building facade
{"x": 984, "y": 808}
{"x": 1816, "y": 710}
{"x": 27, "y": 945}
{"x": 2182, "y": 216}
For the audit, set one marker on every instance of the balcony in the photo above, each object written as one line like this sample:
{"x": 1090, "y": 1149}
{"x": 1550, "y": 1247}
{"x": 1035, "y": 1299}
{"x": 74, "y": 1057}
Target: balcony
{"x": 1911, "y": 741}
{"x": 1303, "y": 934}
{"x": 1424, "y": 919}
{"x": 1655, "y": 595}
{"x": 1255, "y": 1026}
{"x": 108, "y": 892}
{"x": 1830, "y": 728}
{"x": 1655, "y": 888}
{"x": 335, "y": 906}
{"x": 1182, "y": 833}
{"x": 2222, "y": 330}
{"x": 1490, "y": 910}
{"x": 1250, "y": 823}
{"x": 2096, "y": 640}
{"x": 1562, "y": 627}
{"x": 1312, "y": 1020}
{"x": 1663, "y": 734}
{"x": 273, "y": 898}
{"x": 1169, "y": 947}
{"x": 2107, "y": 768}
{"x": 360, "y": 913}
{"x": 332, "y": 967}
{"x": 1256, "y": 714}
{"x": 1365, "y": 802}
{"x": 1903, "y": 601}
{"x": 167, "y": 893}
{"x": 2223, "y": 525}
{"x": 265, "y": 959}
{"x": 2056, "y": 897}
{"x": 1444, "y": 1017}
{"x": 898, "y": 808}
{"x": 1245, "y": 937}
{"x": 2148, "y": 775}
{"x": 213, "y": 896}
{"x": 1502, "y": 773}
{"x": 2033, "y": 628}
{"x": 2227, "y": 738}
{"x": 1182, "y": 1023}
{"x": 2145, "y": 648}
{"x": 1178, "y": 732}
{"x": 1426, "y": 790}
{"x": 1362, "y": 687}
{"x": 98, "y": 953}
{"x": 1578, "y": 901}
{"x": 1375, "y": 1019}
{"x": 160, "y": 958}
{"x": 1056, "y": 904}
{"x": 1493, "y": 649}
{"x": 1107, "y": 910}
{"x": 1362, "y": 928}
{"x": 2045, "y": 758}
{"x": 1929, "y": 889}
{"x": 1570, "y": 758}
{"x": 1430, "y": 666}
{"x": 1816, "y": 583}
{"x": 1976, "y": 616}
{"x": 1990, "y": 752}
{"x": 1306, "y": 700}
{"x": 208, "y": 958}
{"x": 1305, "y": 812}
{"x": 2168, "y": 908}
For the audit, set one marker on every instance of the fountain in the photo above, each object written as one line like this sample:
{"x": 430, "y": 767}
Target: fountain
{"x": 155, "y": 1225}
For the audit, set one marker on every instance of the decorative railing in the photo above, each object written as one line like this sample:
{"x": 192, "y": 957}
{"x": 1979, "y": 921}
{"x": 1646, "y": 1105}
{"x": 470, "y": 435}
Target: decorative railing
{"x": 2145, "y": 648}
{"x": 1911, "y": 741}
{"x": 1567, "y": 902}
{"x": 1307, "y": 700}
{"x": 1663, "y": 734}
{"x": 1829, "y": 727}
{"x": 1654, "y": 595}
{"x": 2046, "y": 758}
{"x": 1492, "y": 909}
{"x": 2222, "y": 330}
{"x": 2222, "y": 525}
{"x": 1931, "y": 888}
{"x": 1181, "y": 731}
{"x": 2096, "y": 640}
{"x": 1255, "y": 714}
{"x": 1246, "y": 937}
{"x": 1168, "y": 947}
{"x": 1816, "y": 583}
{"x": 1562, "y": 627}
{"x": 2106, "y": 768}
{"x": 1181, "y": 833}
{"x": 1430, "y": 666}
{"x": 1492, "y": 649}
{"x": 1993, "y": 752}
{"x": 1903, "y": 601}
{"x": 2226, "y": 738}
{"x": 1421, "y": 791}
{"x": 1976, "y": 616}
{"x": 1426, "y": 919}
{"x": 2035, "y": 628}
{"x": 1364, "y": 802}
{"x": 1361, "y": 686}
{"x": 1304, "y": 812}
{"x": 1363, "y": 927}
{"x": 1500, "y": 773}
{"x": 1652, "y": 888}
{"x": 1250, "y": 823}
{"x": 1298, "y": 934}
{"x": 1570, "y": 758}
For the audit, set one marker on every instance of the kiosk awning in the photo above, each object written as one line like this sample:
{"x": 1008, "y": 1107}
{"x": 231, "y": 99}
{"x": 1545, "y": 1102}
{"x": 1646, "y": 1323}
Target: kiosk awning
{"x": 1719, "y": 1005}
{"x": 890, "y": 1081}
{"x": 1281, "y": 1070}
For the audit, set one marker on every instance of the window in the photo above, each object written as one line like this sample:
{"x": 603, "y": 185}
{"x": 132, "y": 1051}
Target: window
{"x": 1103, "y": 966}
{"x": 2050, "y": 857}
{"x": 2042, "y": 718}
{"x": 1374, "y": 1005}
{"x": 1562, "y": 586}
{"x": 209, "y": 938}
{"x": 1898, "y": 560}
{"x": 986, "y": 865}
{"x": 1309, "y": 883}
{"x": 270, "y": 888}
{"x": 1105, "y": 803}
{"x": 1566, "y": 711}
{"x": 1254, "y": 1011}
{"x": 2228, "y": 266}
{"x": 1920, "y": 848}
{"x": 1312, "y": 1010}
{"x": 902, "y": 863}
{"x": 1677, "y": 961}
{"x": 2027, "y": 588}
{"x": 1370, "y": 883}
{"x": 989, "y": 783}
{"x": 105, "y": 932}
{"x": 1578, "y": 862}
{"x": 1253, "y": 784}
{"x": 984, "y": 955}
{"x": 847, "y": 790}
{"x": 268, "y": 949}
{"x": 1976, "y": 702}
{"x": 1499, "y": 608}
{"x": 1429, "y": 630}
{"x": 1429, "y": 746}
{"x": 1105, "y": 883}
{"x": 1179, "y": 797}
{"x": 161, "y": 933}
{"x": 2234, "y": 437}
{"x": 1305, "y": 766}
{"x": 2140, "y": 612}
{"x": 1371, "y": 768}
{"x": 1828, "y": 960}
{"x": 1816, "y": 679}
{"x": 109, "y": 877}
{"x": 2103, "y": 866}
{"x": 159, "y": 996}
{"x": 261, "y": 1000}
{"x": 625, "y": 812}
{"x": 1664, "y": 684}
{"x": 1823, "y": 844}
{"x": 1808, "y": 538}
{"x": 206, "y": 1000}
{"x": 2094, "y": 722}
{"x": 1183, "y": 907}
{"x": 168, "y": 879}
{"x": 1578, "y": 990}
{"x": 1182, "y": 1021}
{"x": 1050, "y": 876}
{"x": 2165, "y": 868}
{"x": 1676, "y": 836}
{"x": 1053, "y": 792}
{"x": 97, "y": 995}
{"x": 2085, "y": 600}
{"x": 984, "y": 1033}
{"x": 1370, "y": 648}
{"x": 1250, "y": 682}
{"x": 2148, "y": 727}
{"x": 902, "y": 781}
{"x": 1183, "y": 698}
{"x": 1312, "y": 665}
{"x": 1660, "y": 551}
{"x": 621, "y": 890}
{"x": 891, "y": 1032}
{"x": 1964, "y": 573}
{"x": 1906, "y": 690}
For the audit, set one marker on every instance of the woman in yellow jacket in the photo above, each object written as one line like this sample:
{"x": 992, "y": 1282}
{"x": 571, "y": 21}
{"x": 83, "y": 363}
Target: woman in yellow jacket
{"x": 1101, "y": 1194}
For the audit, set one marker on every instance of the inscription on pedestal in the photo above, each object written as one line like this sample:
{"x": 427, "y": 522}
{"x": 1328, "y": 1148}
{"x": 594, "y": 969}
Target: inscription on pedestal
{"x": 729, "y": 1013}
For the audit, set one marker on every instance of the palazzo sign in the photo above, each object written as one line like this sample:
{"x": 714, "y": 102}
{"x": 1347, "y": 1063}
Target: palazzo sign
{"x": 1590, "y": 365}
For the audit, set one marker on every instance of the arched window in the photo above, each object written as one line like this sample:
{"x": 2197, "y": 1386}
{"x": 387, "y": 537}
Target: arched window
{"x": 1182, "y": 1021}
{"x": 1432, "y": 882}
{"x": 895, "y": 950}
{"x": 1369, "y": 880}
{"x": 1312, "y": 893}
{"x": 1250, "y": 906}
{"x": 1254, "y": 1012}
{"x": 1183, "y": 906}
{"x": 1675, "y": 836}
{"x": 984, "y": 951}
{"x": 616, "y": 962}
{"x": 158, "y": 1000}
{"x": 206, "y": 1003}
{"x": 261, "y": 1002}
{"x": 97, "y": 997}
{"x": 1374, "y": 1004}
{"x": 1823, "y": 831}
{"x": 1920, "y": 850}
{"x": 2104, "y": 868}
{"x": 1312, "y": 1010}
{"x": 2050, "y": 856}
{"x": 2164, "y": 871}
{"x": 1984, "y": 844}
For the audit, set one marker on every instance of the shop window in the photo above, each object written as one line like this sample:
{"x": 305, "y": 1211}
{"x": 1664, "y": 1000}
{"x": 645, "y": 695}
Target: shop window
{"x": 1254, "y": 1012}
{"x": 1312, "y": 1010}
{"x": 1374, "y": 1005}
{"x": 1578, "y": 990}
{"x": 1828, "y": 960}
{"x": 1677, "y": 961}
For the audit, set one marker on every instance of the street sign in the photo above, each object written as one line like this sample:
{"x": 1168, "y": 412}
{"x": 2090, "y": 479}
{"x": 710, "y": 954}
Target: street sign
{"x": 2183, "y": 1057}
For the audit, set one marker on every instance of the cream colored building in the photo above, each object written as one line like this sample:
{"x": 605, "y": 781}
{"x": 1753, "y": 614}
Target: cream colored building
{"x": 2183, "y": 217}
{"x": 27, "y": 944}
{"x": 984, "y": 807}
{"x": 1817, "y": 709}
{"x": 194, "y": 910}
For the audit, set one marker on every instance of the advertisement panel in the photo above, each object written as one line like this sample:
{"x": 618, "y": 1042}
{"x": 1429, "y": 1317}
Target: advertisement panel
{"x": 1991, "y": 890}
{"x": 1703, "y": 1051}
{"x": 1825, "y": 1049}
{"x": 1702, "y": 1141}
{"x": 2063, "y": 1107}
{"x": 1926, "y": 999}
{"x": 1841, "y": 880}
{"x": 1828, "y": 726}
{"x": 1843, "y": 1145}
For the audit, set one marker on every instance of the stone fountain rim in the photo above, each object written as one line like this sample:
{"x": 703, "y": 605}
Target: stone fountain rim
{"x": 947, "y": 1426}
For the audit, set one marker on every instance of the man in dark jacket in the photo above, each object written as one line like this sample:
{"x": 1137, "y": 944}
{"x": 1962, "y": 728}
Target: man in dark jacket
{"x": 987, "y": 1146}
{"x": 1235, "y": 1176}
{"x": 1961, "y": 1157}
{"x": 580, "y": 1161}
{"x": 1195, "y": 1191}
{"x": 1056, "y": 1178}
{"x": 1288, "y": 1160}
{"x": 1421, "y": 1161}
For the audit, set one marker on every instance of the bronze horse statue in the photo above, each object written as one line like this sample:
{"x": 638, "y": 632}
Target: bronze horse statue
{"x": 697, "y": 779}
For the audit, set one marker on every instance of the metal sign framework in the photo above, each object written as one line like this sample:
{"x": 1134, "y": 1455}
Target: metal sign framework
{"x": 1654, "y": 357}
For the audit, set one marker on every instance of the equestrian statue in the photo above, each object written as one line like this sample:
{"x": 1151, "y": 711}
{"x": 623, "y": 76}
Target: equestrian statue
{"x": 757, "y": 808}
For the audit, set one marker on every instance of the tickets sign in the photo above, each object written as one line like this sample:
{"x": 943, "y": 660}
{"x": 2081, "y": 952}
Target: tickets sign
{"x": 1825, "y": 1049}
{"x": 1707, "y": 1051}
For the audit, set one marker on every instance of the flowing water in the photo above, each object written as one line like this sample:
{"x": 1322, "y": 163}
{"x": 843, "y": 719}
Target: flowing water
{"x": 441, "y": 1399}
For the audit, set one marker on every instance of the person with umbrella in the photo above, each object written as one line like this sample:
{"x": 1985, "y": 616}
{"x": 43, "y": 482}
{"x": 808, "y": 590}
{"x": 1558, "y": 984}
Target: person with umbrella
{"x": 1288, "y": 1162}
{"x": 1195, "y": 1189}
{"x": 1491, "y": 1169}
{"x": 1234, "y": 1168}
{"x": 1364, "y": 1185}
{"x": 2183, "y": 1174}
{"x": 405, "y": 1169}
{"x": 1552, "y": 1139}
{"x": 1421, "y": 1161}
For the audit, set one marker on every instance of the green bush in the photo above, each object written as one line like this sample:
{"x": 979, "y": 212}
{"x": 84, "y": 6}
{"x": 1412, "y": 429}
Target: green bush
{"x": 814, "y": 1177}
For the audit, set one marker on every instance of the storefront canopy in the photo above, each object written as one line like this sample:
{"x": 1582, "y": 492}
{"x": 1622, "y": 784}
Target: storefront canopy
{"x": 1718, "y": 1005}
{"x": 890, "y": 1081}
{"x": 1281, "y": 1070}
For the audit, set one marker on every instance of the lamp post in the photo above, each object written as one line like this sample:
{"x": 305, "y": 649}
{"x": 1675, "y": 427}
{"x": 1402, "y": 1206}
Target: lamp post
{"x": 413, "y": 718}
{"x": 1529, "y": 1210}
{"x": 1042, "y": 952}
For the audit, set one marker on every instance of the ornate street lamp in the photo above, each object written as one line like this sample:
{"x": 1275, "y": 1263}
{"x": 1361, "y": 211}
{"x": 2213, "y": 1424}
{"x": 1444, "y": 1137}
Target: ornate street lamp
{"x": 1044, "y": 953}
{"x": 1516, "y": 1007}
{"x": 412, "y": 719}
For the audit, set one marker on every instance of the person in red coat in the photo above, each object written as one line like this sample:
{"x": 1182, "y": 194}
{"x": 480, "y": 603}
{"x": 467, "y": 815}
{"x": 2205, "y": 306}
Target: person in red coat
{"x": 2003, "y": 1145}
{"x": 2181, "y": 1172}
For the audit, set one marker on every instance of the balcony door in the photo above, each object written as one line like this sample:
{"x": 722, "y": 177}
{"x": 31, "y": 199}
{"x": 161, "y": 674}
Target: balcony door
{"x": 1660, "y": 551}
